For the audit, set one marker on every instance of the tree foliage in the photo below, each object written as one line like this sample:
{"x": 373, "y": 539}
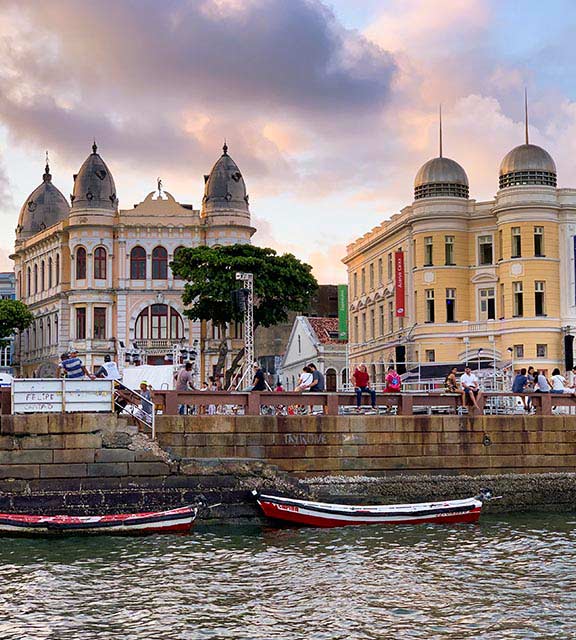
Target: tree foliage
{"x": 14, "y": 316}
{"x": 282, "y": 283}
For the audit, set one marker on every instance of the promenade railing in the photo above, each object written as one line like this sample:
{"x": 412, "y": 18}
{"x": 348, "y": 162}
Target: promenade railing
{"x": 268, "y": 402}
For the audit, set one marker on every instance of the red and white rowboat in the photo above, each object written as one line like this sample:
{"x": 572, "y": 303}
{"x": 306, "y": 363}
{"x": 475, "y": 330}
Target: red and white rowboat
{"x": 321, "y": 514}
{"x": 178, "y": 520}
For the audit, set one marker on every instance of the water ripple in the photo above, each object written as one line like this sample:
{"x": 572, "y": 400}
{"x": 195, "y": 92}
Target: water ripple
{"x": 505, "y": 579}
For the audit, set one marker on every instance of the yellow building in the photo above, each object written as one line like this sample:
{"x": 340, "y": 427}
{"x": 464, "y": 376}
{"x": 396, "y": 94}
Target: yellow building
{"x": 97, "y": 279}
{"x": 493, "y": 280}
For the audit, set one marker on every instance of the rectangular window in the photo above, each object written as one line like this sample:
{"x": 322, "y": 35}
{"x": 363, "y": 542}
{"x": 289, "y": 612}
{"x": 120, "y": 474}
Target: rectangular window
{"x": 429, "y": 305}
{"x": 355, "y": 328}
{"x": 516, "y": 242}
{"x": 100, "y": 323}
{"x": 500, "y": 245}
{"x": 363, "y": 281}
{"x": 502, "y": 306}
{"x": 538, "y": 241}
{"x": 355, "y": 284}
{"x": 518, "y": 350}
{"x": 380, "y": 272}
{"x": 518, "y": 299}
{"x": 450, "y": 305}
{"x": 81, "y": 323}
{"x": 390, "y": 317}
{"x": 487, "y": 304}
{"x": 539, "y": 289}
{"x": 541, "y": 350}
{"x": 485, "y": 253}
{"x": 389, "y": 266}
{"x": 430, "y": 355}
{"x": 371, "y": 276}
{"x": 449, "y": 250}
{"x": 381, "y": 319}
{"x": 428, "y": 251}
{"x": 363, "y": 327}
{"x": 372, "y": 324}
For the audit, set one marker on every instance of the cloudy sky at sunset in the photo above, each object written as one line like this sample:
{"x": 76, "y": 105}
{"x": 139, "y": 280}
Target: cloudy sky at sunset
{"x": 329, "y": 108}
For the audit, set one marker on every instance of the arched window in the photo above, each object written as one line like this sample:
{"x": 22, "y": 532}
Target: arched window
{"x": 56, "y": 329}
{"x": 175, "y": 252}
{"x": 48, "y": 330}
{"x": 159, "y": 322}
{"x": 100, "y": 263}
{"x": 57, "y": 274}
{"x": 159, "y": 263}
{"x": 35, "y": 278}
{"x": 138, "y": 264}
{"x": 40, "y": 334}
{"x": 28, "y": 279}
{"x": 49, "y": 273}
{"x": 42, "y": 275}
{"x": 80, "y": 263}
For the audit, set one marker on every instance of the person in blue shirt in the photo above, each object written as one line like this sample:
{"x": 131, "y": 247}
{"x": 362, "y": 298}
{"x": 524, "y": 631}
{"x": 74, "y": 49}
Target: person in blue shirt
{"x": 518, "y": 386}
{"x": 71, "y": 366}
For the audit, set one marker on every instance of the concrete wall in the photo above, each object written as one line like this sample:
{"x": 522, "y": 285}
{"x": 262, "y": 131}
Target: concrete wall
{"x": 370, "y": 445}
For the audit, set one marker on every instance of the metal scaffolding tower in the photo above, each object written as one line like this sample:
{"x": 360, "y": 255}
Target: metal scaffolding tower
{"x": 248, "y": 280}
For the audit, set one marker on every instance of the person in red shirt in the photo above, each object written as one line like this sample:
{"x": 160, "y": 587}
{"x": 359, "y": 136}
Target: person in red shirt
{"x": 362, "y": 385}
{"x": 393, "y": 381}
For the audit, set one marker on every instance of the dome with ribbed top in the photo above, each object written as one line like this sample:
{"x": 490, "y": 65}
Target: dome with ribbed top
{"x": 43, "y": 208}
{"x": 94, "y": 186}
{"x": 225, "y": 188}
{"x": 527, "y": 164}
{"x": 441, "y": 177}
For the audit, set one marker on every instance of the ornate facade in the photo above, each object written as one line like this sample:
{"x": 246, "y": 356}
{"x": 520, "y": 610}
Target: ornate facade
{"x": 484, "y": 281}
{"x": 96, "y": 277}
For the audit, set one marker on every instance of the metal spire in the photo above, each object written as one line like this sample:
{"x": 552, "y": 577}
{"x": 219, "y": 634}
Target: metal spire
{"x": 47, "y": 177}
{"x": 94, "y": 146}
{"x": 526, "y": 112}
{"x": 440, "y": 121}
{"x": 225, "y": 148}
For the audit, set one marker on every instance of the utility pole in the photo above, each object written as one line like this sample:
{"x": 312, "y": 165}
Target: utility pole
{"x": 248, "y": 280}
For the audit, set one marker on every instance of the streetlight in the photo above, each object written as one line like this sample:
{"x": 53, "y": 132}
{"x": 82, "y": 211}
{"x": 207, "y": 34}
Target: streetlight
{"x": 479, "y": 354}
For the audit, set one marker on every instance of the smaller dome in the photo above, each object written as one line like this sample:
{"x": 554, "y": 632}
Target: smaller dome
{"x": 225, "y": 187}
{"x": 441, "y": 177}
{"x": 43, "y": 208}
{"x": 94, "y": 186}
{"x": 527, "y": 164}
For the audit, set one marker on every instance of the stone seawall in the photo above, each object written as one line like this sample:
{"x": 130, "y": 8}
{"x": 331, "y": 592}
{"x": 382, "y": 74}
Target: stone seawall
{"x": 380, "y": 445}
{"x": 85, "y": 464}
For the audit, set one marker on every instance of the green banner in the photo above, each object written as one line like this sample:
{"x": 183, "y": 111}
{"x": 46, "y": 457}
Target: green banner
{"x": 342, "y": 312}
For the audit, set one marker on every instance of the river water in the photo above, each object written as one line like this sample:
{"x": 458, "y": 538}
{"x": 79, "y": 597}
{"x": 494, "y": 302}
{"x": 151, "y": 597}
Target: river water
{"x": 512, "y": 577}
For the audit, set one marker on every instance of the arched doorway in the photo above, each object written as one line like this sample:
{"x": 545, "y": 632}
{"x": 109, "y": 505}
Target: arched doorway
{"x": 331, "y": 380}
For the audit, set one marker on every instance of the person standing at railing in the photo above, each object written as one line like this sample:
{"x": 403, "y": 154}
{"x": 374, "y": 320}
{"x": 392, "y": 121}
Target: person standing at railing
{"x": 451, "y": 385}
{"x": 361, "y": 380}
{"x": 184, "y": 382}
{"x": 146, "y": 405}
{"x": 72, "y": 367}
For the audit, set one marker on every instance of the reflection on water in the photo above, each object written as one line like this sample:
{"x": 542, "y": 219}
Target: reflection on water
{"x": 511, "y": 578}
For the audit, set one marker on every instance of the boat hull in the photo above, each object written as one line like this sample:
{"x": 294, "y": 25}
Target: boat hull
{"x": 179, "y": 520}
{"x": 316, "y": 514}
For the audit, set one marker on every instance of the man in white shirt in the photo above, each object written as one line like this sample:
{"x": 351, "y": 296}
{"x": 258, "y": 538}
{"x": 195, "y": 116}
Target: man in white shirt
{"x": 109, "y": 370}
{"x": 471, "y": 386}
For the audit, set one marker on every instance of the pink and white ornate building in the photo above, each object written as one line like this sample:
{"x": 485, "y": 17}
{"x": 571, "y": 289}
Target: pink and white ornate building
{"x": 96, "y": 277}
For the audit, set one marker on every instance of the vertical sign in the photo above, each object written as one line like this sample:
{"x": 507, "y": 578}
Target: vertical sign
{"x": 400, "y": 282}
{"x": 342, "y": 312}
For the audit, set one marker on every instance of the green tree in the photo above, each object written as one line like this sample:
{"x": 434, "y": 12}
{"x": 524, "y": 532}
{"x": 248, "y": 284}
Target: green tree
{"x": 14, "y": 316}
{"x": 282, "y": 283}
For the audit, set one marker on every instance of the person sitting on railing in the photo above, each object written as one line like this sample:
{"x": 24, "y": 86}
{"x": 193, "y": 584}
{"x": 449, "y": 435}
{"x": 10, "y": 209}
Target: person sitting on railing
{"x": 560, "y": 384}
{"x": 318, "y": 383}
{"x": 361, "y": 380}
{"x": 471, "y": 386}
{"x": 184, "y": 382}
{"x": 519, "y": 386}
{"x": 451, "y": 385}
{"x": 109, "y": 370}
{"x": 542, "y": 382}
{"x": 393, "y": 381}
{"x": 305, "y": 379}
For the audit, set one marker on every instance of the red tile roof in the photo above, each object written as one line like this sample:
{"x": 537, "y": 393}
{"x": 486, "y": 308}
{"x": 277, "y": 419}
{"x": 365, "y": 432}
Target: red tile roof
{"x": 323, "y": 327}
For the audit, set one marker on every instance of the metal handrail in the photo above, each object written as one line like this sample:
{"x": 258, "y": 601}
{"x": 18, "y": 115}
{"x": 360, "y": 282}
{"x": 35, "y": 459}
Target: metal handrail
{"x": 152, "y": 414}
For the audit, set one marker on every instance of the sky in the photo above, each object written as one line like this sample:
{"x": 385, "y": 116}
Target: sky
{"x": 328, "y": 107}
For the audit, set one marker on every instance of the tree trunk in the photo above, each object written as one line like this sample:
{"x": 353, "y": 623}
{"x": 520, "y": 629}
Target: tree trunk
{"x": 233, "y": 367}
